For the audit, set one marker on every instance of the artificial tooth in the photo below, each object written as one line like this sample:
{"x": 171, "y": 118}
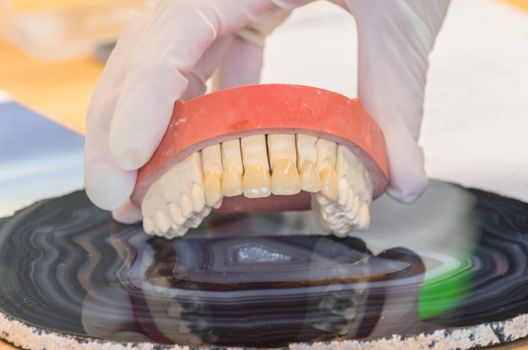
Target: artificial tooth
{"x": 326, "y": 162}
{"x": 283, "y": 159}
{"x": 280, "y": 147}
{"x": 256, "y": 179}
{"x": 186, "y": 205}
{"x": 162, "y": 221}
{"x": 195, "y": 221}
{"x": 326, "y": 154}
{"x": 364, "y": 217}
{"x": 352, "y": 206}
{"x": 212, "y": 159}
{"x": 213, "y": 189}
{"x": 306, "y": 150}
{"x": 342, "y": 191}
{"x": 322, "y": 200}
{"x": 285, "y": 178}
{"x": 198, "y": 198}
{"x": 350, "y": 167}
{"x": 212, "y": 170}
{"x": 176, "y": 214}
{"x": 233, "y": 168}
{"x": 329, "y": 183}
{"x": 310, "y": 179}
{"x": 148, "y": 225}
{"x": 256, "y": 182}
{"x": 231, "y": 182}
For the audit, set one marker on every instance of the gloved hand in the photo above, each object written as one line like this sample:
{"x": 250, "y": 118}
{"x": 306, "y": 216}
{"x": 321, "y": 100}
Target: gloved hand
{"x": 172, "y": 47}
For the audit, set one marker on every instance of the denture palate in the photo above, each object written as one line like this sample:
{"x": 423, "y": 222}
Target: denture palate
{"x": 257, "y": 166}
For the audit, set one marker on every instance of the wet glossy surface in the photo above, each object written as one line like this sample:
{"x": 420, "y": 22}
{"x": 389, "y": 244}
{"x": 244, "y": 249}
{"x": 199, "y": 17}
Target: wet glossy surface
{"x": 455, "y": 258}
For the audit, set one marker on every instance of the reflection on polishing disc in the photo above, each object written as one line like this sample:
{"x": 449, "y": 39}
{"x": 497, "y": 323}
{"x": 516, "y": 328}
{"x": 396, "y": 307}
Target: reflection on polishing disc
{"x": 267, "y": 279}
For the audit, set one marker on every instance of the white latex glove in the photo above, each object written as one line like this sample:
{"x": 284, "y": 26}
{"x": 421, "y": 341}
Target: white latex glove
{"x": 172, "y": 47}
{"x": 395, "y": 38}
{"x": 167, "y": 52}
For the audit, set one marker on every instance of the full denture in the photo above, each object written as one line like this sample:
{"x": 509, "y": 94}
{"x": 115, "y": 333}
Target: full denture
{"x": 264, "y": 147}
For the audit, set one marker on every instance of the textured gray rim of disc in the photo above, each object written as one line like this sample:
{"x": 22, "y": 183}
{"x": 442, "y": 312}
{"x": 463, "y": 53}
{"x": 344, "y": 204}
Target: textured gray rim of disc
{"x": 32, "y": 338}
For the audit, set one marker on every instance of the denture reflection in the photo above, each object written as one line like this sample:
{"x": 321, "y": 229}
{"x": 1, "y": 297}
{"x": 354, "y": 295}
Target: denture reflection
{"x": 263, "y": 290}
{"x": 436, "y": 272}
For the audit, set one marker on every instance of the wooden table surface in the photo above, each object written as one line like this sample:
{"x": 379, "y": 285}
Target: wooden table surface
{"x": 61, "y": 91}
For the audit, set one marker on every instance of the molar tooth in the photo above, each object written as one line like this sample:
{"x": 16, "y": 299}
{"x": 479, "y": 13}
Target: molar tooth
{"x": 175, "y": 233}
{"x": 198, "y": 198}
{"x": 162, "y": 221}
{"x": 186, "y": 206}
{"x": 352, "y": 206}
{"x": 285, "y": 178}
{"x": 206, "y": 211}
{"x": 321, "y": 200}
{"x": 195, "y": 221}
{"x": 343, "y": 189}
{"x": 213, "y": 189}
{"x": 231, "y": 182}
{"x": 364, "y": 217}
{"x": 310, "y": 179}
{"x": 256, "y": 182}
{"x": 176, "y": 214}
{"x": 329, "y": 183}
{"x": 148, "y": 225}
{"x": 256, "y": 179}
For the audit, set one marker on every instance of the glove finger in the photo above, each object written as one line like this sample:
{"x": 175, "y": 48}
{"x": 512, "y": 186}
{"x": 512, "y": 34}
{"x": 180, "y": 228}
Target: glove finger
{"x": 205, "y": 67}
{"x": 107, "y": 185}
{"x": 395, "y": 39}
{"x": 242, "y": 63}
{"x": 158, "y": 66}
{"x": 128, "y": 213}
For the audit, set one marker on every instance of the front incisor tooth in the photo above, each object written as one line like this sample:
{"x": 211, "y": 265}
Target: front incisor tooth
{"x": 310, "y": 179}
{"x": 283, "y": 159}
{"x": 233, "y": 168}
{"x": 256, "y": 179}
{"x": 213, "y": 189}
{"x": 231, "y": 182}
{"x": 256, "y": 182}
{"x": 285, "y": 178}
{"x": 329, "y": 183}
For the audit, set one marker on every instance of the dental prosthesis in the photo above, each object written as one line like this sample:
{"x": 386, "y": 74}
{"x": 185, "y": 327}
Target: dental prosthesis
{"x": 264, "y": 148}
